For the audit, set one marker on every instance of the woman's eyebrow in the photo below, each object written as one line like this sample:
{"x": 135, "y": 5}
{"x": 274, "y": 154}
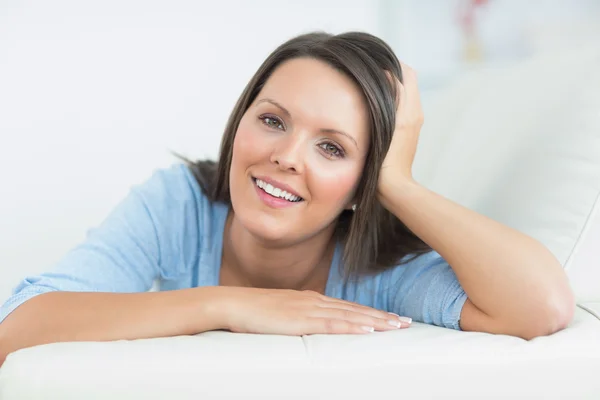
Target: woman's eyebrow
{"x": 287, "y": 113}
{"x": 276, "y": 104}
{"x": 341, "y": 133}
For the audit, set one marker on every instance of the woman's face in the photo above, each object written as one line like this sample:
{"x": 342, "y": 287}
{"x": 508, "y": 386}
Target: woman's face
{"x": 299, "y": 152}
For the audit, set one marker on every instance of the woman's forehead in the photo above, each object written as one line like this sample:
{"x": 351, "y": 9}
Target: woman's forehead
{"x": 307, "y": 76}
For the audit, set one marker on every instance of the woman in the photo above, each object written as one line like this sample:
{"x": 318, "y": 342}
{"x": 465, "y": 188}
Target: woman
{"x": 310, "y": 222}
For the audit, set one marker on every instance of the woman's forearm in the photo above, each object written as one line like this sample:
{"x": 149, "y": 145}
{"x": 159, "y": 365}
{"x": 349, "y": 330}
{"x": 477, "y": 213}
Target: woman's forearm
{"x": 506, "y": 274}
{"x": 75, "y": 316}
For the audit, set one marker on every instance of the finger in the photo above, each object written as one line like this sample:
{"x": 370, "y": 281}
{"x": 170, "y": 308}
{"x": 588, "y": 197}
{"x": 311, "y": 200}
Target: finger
{"x": 402, "y": 96}
{"x": 391, "y": 77}
{"x": 409, "y": 75}
{"x": 409, "y": 81}
{"x": 336, "y": 326}
{"x": 407, "y": 72}
{"x": 390, "y": 322}
{"x": 405, "y": 320}
{"x": 330, "y": 302}
{"x": 396, "y": 84}
{"x": 335, "y": 302}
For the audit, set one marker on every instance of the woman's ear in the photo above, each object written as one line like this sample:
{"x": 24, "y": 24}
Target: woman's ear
{"x": 352, "y": 203}
{"x": 351, "y": 206}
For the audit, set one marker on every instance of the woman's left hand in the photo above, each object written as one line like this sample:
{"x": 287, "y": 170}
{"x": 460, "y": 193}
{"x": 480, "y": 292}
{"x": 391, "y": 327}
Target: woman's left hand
{"x": 397, "y": 165}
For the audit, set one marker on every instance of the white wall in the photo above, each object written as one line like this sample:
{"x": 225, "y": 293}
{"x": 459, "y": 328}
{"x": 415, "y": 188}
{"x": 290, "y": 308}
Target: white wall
{"x": 94, "y": 94}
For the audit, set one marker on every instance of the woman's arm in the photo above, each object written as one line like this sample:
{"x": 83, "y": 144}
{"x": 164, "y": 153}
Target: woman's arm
{"x": 102, "y": 282}
{"x": 514, "y": 284}
{"x": 72, "y": 316}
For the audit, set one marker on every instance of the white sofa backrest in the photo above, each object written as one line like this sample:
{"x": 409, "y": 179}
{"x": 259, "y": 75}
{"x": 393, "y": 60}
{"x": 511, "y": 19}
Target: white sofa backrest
{"x": 522, "y": 145}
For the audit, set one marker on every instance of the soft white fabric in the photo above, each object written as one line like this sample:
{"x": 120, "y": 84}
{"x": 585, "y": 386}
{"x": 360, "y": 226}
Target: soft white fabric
{"x": 593, "y": 307}
{"x": 583, "y": 266}
{"x": 421, "y": 362}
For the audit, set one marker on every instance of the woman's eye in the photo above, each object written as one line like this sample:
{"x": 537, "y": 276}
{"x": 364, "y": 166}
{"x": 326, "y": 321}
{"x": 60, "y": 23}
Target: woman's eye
{"x": 272, "y": 122}
{"x": 331, "y": 150}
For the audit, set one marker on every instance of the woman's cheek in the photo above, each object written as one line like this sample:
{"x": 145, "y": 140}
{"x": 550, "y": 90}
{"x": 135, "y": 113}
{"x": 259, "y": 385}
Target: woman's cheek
{"x": 247, "y": 141}
{"x": 335, "y": 185}
{"x": 242, "y": 136}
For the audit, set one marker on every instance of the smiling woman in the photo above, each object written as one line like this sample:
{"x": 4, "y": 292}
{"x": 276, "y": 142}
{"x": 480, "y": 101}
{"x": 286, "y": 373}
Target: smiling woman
{"x": 310, "y": 222}
{"x": 318, "y": 117}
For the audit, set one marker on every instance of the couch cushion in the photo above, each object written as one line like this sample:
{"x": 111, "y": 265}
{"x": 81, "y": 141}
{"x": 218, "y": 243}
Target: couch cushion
{"x": 422, "y": 361}
{"x": 521, "y": 144}
{"x": 583, "y": 264}
{"x": 593, "y": 307}
{"x": 427, "y": 361}
{"x": 182, "y": 367}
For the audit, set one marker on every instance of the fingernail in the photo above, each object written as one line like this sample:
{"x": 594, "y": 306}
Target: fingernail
{"x": 368, "y": 328}
{"x": 394, "y": 323}
{"x": 408, "y": 320}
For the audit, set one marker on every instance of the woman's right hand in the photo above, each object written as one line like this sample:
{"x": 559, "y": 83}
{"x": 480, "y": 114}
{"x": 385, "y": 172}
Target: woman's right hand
{"x": 294, "y": 312}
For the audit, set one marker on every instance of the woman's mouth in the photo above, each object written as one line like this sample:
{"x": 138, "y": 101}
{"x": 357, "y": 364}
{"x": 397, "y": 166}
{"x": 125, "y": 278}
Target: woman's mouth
{"x": 276, "y": 192}
{"x": 274, "y": 196}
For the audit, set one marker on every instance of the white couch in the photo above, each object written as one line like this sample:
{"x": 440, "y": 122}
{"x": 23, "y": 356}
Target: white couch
{"x": 519, "y": 144}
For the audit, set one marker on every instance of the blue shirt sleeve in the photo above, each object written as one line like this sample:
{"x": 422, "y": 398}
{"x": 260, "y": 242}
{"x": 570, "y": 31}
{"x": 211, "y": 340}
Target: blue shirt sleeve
{"x": 152, "y": 233}
{"x": 427, "y": 290}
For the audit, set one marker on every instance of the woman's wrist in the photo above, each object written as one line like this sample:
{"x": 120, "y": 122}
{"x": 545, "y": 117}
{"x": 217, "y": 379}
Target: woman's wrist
{"x": 214, "y": 308}
{"x": 390, "y": 190}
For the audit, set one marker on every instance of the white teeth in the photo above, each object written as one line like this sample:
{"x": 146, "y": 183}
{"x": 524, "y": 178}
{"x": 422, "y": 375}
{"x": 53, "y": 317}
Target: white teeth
{"x": 276, "y": 192}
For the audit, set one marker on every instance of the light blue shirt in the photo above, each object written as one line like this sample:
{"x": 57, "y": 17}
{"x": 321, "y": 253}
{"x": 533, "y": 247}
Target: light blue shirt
{"x": 166, "y": 230}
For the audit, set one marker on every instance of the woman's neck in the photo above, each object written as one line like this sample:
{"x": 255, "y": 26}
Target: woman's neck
{"x": 248, "y": 261}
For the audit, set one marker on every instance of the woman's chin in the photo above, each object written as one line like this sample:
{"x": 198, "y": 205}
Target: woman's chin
{"x": 269, "y": 231}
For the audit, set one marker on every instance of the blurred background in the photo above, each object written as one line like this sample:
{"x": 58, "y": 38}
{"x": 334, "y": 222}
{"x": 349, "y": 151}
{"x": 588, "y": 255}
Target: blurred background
{"x": 93, "y": 95}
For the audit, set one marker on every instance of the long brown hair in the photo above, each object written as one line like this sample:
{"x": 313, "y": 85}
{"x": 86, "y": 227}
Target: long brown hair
{"x": 373, "y": 238}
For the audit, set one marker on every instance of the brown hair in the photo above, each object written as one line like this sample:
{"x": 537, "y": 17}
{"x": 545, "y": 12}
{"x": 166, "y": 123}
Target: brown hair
{"x": 373, "y": 238}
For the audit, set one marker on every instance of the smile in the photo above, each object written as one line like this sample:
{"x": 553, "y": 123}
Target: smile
{"x": 277, "y": 192}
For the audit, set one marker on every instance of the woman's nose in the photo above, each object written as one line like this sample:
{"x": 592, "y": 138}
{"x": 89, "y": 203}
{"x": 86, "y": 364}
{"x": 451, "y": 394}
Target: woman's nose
{"x": 289, "y": 154}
